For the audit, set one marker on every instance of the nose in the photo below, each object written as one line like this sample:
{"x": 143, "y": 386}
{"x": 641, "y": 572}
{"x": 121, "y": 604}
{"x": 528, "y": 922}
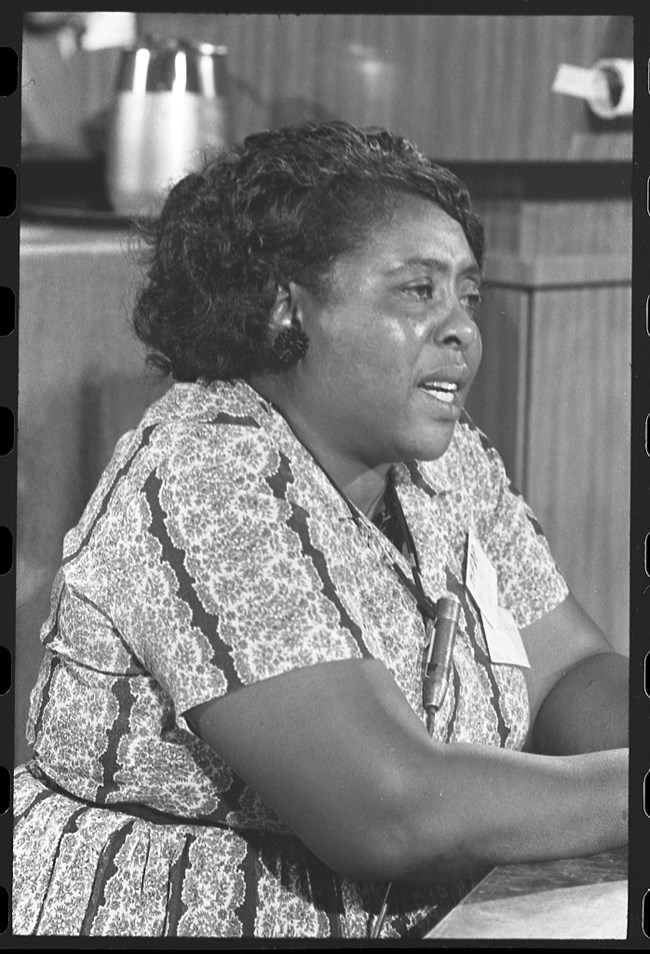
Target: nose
{"x": 457, "y": 329}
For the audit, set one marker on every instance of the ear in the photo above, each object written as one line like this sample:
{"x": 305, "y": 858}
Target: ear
{"x": 286, "y": 311}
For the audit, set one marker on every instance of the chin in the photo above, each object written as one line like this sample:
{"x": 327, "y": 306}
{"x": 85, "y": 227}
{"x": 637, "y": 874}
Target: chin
{"x": 434, "y": 446}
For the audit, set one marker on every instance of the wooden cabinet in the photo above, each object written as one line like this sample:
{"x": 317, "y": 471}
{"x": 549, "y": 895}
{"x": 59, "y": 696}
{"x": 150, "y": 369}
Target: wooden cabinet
{"x": 553, "y": 392}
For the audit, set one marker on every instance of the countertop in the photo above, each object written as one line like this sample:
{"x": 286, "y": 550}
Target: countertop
{"x": 573, "y": 898}
{"x": 37, "y": 237}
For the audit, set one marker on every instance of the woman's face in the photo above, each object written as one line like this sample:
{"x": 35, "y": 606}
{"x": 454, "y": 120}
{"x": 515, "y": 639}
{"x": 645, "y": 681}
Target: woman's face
{"x": 394, "y": 348}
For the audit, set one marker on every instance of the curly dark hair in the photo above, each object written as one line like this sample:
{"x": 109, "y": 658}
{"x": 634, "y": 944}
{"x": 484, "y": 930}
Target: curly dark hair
{"x": 281, "y": 207}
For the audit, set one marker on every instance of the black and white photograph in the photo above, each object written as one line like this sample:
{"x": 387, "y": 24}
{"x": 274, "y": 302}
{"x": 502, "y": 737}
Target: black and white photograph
{"x": 323, "y": 457}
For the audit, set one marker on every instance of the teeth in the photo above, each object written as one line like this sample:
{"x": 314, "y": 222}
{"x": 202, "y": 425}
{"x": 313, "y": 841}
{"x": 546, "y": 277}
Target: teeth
{"x": 444, "y": 390}
{"x": 446, "y": 396}
{"x": 441, "y": 386}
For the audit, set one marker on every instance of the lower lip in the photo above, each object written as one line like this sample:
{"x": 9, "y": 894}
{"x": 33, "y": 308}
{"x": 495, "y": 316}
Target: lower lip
{"x": 449, "y": 409}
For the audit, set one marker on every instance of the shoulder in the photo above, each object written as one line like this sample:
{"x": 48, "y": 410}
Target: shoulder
{"x": 229, "y": 407}
{"x": 195, "y": 445}
{"x": 223, "y": 428}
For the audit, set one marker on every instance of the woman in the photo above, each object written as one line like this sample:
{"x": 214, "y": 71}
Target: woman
{"x": 228, "y": 726}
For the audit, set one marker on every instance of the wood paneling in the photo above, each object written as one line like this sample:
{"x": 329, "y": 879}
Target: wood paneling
{"x": 570, "y": 227}
{"x": 554, "y": 389}
{"x": 464, "y": 87}
{"x": 471, "y": 87}
{"x": 578, "y": 442}
{"x": 553, "y": 394}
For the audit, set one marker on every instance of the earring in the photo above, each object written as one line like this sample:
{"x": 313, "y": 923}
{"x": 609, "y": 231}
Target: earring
{"x": 290, "y": 345}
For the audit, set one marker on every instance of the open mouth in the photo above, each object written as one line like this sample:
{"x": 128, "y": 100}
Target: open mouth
{"x": 444, "y": 391}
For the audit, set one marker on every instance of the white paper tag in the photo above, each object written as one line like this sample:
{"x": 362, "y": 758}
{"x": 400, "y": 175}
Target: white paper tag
{"x": 580, "y": 82}
{"x": 504, "y": 639}
{"x": 593, "y": 85}
{"x": 481, "y": 577}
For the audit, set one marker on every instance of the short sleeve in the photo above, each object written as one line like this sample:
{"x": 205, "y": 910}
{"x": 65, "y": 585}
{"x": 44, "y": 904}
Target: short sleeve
{"x": 228, "y": 585}
{"x": 529, "y": 581}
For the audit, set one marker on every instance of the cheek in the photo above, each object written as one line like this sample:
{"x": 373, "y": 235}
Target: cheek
{"x": 396, "y": 343}
{"x": 376, "y": 348}
{"x": 477, "y": 352}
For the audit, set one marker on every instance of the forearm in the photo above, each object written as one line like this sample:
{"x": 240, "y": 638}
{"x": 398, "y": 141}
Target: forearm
{"x": 489, "y": 807}
{"x": 587, "y": 710}
{"x": 517, "y": 807}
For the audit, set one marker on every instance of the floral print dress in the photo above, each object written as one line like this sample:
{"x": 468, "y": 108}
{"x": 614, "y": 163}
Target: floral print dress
{"x": 215, "y": 552}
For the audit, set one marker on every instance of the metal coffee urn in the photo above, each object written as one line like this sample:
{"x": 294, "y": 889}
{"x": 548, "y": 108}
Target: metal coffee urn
{"x": 171, "y": 104}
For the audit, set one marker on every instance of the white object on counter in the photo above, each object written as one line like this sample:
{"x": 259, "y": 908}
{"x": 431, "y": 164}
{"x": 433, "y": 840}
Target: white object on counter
{"x": 599, "y": 85}
{"x": 105, "y": 30}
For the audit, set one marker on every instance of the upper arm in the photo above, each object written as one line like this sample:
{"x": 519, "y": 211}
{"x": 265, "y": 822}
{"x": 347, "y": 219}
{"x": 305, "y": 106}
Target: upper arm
{"x": 557, "y": 633}
{"x": 578, "y": 685}
{"x": 332, "y": 748}
{"x": 338, "y": 753}
{"x": 555, "y": 643}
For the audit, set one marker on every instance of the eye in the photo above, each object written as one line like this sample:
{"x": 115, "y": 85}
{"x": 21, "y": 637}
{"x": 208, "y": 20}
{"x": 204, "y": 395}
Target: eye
{"x": 423, "y": 291}
{"x": 473, "y": 300}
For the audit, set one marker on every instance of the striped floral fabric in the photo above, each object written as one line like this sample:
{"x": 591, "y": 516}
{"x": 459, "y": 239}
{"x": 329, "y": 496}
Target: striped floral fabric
{"x": 215, "y": 552}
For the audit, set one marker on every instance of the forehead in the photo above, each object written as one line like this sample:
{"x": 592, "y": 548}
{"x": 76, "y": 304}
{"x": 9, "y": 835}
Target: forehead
{"x": 418, "y": 230}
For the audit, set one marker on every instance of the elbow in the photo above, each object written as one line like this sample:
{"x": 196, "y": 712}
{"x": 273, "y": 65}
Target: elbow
{"x": 369, "y": 838}
{"x": 381, "y": 855}
{"x": 401, "y": 835}
{"x": 400, "y": 853}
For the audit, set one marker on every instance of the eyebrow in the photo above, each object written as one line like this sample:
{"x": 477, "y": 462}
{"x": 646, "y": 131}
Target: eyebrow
{"x": 471, "y": 270}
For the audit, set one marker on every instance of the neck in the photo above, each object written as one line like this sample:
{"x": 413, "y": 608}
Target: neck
{"x": 361, "y": 483}
{"x": 366, "y": 491}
